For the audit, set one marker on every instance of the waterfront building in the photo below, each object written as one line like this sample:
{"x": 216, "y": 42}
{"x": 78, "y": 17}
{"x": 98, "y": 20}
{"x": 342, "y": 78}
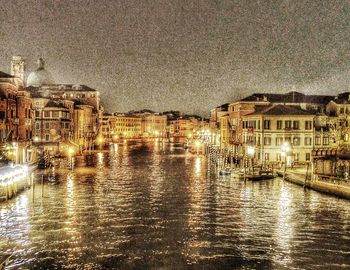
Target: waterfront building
{"x": 268, "y": 128}
{"x": 53, "y": 123}
{"x": 82, "y": 104}
{"x": 15, "y": 115}
{"x": 84, "y": 126}
{"x": 106, "y": 127}
{"x": 127, "y": 126}
{"x": 215, "y": 122}
{"x": 255, "y": 102}
{"x": 186, "y": 126}
{"x": 154, "y": 125}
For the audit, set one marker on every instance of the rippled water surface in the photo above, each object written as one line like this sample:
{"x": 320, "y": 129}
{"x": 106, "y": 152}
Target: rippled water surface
{"x": 154, "y": 207}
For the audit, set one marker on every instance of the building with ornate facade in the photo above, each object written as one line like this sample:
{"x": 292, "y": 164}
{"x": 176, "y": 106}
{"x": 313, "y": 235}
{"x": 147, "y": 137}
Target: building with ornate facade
{"x": 15, "y": 114}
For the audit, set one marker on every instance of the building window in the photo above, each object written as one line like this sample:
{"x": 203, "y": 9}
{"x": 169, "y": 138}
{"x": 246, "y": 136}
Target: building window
{"x": 267, "y": 141}
{"x": 308, "y": 140}
{"x": 296, "y": 157}
{"x": 279, "y": 141}
{"x": 267, "y": 156}
{"x": 325, "y": 140}
{"x": 295, "y": 124}
{"x": 46, "y": 114}
{"x": 288, "y": 124}
{"x": 278, "y": 157}
{"x": 47, "y": 125}
{"x": 308, "y": 157}
{"x": 279, "y": 124}
{"x": 37, "y": 125}
{"x": 47, "y": 137}
{"x": 318, "y": 140}
{"x": 37, "y": 114}
{"x": 55, "y": 114}
{"x": 296, "y": 141}
{"x": 308, "y": 125}
{"x": 288, "y": 140}
{"x": 267, "y": 124}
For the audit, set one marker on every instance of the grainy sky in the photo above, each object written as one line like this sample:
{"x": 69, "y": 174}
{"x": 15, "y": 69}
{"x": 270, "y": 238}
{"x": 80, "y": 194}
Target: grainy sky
{"x": 183, "y": 55}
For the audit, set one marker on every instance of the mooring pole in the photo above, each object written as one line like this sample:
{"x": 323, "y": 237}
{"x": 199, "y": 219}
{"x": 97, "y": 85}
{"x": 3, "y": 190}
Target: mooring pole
{"x": 42, "y": 186}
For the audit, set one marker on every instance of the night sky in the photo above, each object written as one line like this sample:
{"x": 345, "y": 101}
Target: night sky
{"x": 183, "y": 55}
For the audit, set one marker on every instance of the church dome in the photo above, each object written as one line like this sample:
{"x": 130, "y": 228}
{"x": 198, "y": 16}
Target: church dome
{"x": 40, "y": 76}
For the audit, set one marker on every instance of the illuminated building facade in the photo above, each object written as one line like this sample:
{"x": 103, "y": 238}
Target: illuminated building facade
{"x": 127, "y": 126}
{"x": 154, "y": 125}
{"x": 270, "y": 127}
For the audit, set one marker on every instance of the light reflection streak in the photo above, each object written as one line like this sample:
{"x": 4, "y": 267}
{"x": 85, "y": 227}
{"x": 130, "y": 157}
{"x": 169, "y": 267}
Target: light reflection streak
{"x": 284, "y": 229}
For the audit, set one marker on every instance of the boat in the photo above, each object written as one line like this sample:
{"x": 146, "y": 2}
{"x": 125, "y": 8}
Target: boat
{"x": 258, "y": 177}
{"x": 4, "y": 260}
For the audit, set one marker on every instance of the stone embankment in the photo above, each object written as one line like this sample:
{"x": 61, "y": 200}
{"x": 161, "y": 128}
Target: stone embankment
{"x": 339, "y": 188}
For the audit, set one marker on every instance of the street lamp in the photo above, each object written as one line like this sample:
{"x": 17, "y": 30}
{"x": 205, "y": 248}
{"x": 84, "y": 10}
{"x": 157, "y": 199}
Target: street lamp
{"x": 100, "y": 140}
{"x": 285, "y": 149}
{"x": 251, "y": 152}
{"x": 197, "y": 144}
{"x": 70, "y": 156}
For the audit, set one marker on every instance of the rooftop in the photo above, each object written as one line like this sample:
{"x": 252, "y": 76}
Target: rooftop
{"x": 281, "y": 110}
{"x": 290, "y": 97}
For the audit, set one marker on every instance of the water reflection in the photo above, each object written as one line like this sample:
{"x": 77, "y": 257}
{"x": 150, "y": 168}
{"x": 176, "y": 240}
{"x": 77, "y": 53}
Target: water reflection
{"x": 154, "y": 206}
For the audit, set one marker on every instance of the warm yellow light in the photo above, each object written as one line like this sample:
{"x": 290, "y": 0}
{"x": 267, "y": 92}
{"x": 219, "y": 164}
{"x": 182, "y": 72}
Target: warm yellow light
{"x": 36, "y": 139}
{"x": 250, "y": 150}
{"x": 285, "y": 147}
{"x": 189, "y": 135}
{"x": 197, "y": 143}
{"x": 100, "y": 139}
{"x": 115, "y": 137}
{"x": 71, "y": 151}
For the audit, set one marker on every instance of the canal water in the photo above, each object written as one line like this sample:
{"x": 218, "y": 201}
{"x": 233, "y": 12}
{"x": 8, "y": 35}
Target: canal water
{"x": 152, "y": 206}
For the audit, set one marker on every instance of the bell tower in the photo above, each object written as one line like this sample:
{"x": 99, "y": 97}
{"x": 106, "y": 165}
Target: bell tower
{"x": 18, "y": 67}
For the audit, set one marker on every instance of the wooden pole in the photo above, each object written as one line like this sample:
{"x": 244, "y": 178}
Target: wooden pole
{"x": 42, "y": 186}
{"x": 33, "y": 188}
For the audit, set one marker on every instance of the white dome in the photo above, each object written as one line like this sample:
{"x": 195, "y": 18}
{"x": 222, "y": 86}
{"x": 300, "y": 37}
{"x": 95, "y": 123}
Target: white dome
{"x": 40, "y": 76}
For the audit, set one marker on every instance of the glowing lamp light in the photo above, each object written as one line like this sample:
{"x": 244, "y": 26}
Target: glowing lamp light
{"x": 71, "y": 151}
{"x": 197, "y": 143}
{"x": 285, "y": 147}
{"x": 250, "y": 150}
{"x": 100, "y": 139}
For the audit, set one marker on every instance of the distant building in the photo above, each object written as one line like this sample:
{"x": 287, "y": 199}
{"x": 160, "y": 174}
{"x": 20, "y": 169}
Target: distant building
{"x": 127, "y": 126}
{"x": 81, "y": 101}
{"x": 154, "y": 125}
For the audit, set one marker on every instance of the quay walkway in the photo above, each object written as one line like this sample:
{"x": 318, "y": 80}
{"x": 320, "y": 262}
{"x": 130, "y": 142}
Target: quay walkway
{"x": 336, "y": 187}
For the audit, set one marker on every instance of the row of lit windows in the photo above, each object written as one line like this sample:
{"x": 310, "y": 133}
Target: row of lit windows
{"x": 53, "y": 114}
{"x": 47, "y": 125}
{"x": 287, "y": 124}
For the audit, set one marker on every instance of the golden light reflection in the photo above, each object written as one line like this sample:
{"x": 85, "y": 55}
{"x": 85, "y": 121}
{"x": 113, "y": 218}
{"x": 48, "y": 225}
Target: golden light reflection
{"x": 115, "y": 147}
{"x": 198, "y": 166}
{"x": 284, "y": 230}
{"x": 99, "y": 159}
